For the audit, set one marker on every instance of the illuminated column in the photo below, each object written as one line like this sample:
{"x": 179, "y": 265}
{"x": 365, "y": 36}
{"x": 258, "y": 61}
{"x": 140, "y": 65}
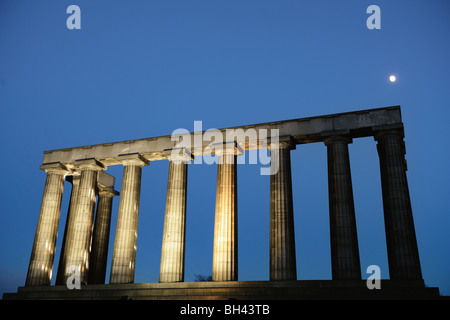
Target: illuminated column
{"x": 344, "y": 241}
{"x": 75, "y": 180}
{"x": 43, "y": 252}
{"x": 403, "y": 255}
{"x": 100, "y": 238}
{"x": 225, "y": 226}
{"x": 282, "y": 238}
{"x": 173, "y": 243}
{"x": 124, "y": 253}
{"x": 78, "y": 241}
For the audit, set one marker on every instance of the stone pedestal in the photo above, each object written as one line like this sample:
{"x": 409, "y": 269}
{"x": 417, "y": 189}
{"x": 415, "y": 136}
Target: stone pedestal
{"x": 171, "y": 294}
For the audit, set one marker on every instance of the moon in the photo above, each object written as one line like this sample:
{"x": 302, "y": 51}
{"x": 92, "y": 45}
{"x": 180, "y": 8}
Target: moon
{"x": 392, "y": 78}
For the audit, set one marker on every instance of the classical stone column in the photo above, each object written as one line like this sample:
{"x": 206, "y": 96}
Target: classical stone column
{"x": 43, "y": 252}
{"x": 225, "y": 265}
{"x": 79, "y": 234}
{"x": 403, "y": 255}
{"x": 100, "y": 238}
{"x": 282, "y": 238}
{"x": 75, "y": 181}
{"x": 344, "y": 241}
{"x": 125, "y": 244}
{"x": 173, "y": 243}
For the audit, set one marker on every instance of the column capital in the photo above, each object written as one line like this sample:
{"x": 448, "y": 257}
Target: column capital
{"x": 54, "y": 167}
{"x": 89, "y": 164}
{"x": 228, "y": 147}
{"x": 281, "y": 142}
{"x": 73, "y": 177}
{"x": 107, "y": 192}
{"x": 378, "y": 135}
{"x": 133, "y": 159}
{"x": 178, "y": 155}
{"x": 106, "y": 180}
{"x": 336, "y": 138}
{"x": 388, "y": 129}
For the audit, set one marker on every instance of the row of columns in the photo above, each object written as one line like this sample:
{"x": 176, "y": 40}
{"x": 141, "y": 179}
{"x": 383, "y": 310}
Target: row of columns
{"x": 85, "y": 243}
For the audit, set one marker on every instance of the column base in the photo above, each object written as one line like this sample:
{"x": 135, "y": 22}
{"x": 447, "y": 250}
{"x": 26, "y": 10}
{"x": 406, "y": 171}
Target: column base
{"x": 236, "y": 290}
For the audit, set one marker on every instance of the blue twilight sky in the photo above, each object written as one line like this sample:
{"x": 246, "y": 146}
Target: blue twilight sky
{"x": 139, "y": 69}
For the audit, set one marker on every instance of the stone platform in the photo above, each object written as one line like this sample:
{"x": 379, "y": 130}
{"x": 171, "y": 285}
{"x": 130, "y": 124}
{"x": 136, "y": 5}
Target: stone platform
{"x": 234, "y": 290}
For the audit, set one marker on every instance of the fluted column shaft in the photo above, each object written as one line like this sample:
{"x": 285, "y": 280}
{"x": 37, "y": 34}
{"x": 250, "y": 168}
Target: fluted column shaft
{"x": 173, "y": 243}
{"x": 78, "y": 242}
{"x": 75, "y": 180}
{"x": 43, "y": 252}
{"x": 282, "y": 238}
{"x": 403, "y": 255}
{"x": 100, "y": 239}
{"x": 225, "y": 226}
{"x": 345, "y": 260}
{"x": 125, "y": 244}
